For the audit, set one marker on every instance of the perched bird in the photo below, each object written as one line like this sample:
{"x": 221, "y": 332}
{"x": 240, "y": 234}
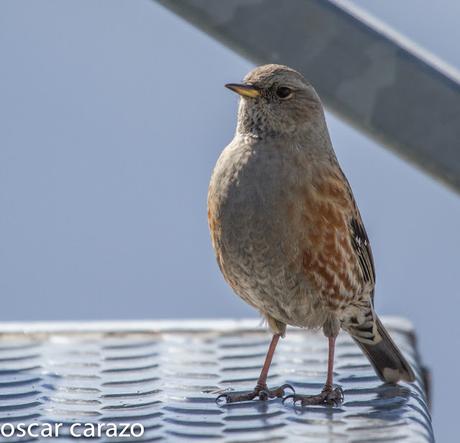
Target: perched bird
{"x": 287, "y": 232}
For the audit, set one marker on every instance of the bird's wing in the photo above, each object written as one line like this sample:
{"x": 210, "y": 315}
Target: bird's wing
{"x": 362, "y": 248}
{"x": 359, "y": 239}
{"x": 337, "y": 260}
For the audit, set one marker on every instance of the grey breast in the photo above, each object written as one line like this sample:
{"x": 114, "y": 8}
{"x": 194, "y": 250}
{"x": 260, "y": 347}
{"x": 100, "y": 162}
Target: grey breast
{"x": 252, "y": 184}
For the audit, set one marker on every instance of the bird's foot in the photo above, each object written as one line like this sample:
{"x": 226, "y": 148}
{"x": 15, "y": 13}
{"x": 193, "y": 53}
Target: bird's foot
{"x": 261, "y": 392}
{"x": 329, "y": 396}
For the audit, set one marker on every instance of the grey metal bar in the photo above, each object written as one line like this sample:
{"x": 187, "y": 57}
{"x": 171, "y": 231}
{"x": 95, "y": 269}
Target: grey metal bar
{"x": 365, "y": 73}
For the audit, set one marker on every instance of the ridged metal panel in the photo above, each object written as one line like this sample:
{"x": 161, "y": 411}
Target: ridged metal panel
{"x": 166, "y": 375}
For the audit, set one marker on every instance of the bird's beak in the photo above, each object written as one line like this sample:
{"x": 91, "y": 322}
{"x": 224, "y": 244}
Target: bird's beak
{"x": 244, "y": 90}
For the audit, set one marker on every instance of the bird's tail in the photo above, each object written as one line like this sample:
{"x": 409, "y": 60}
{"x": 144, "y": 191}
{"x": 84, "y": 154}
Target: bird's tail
{"x": 387, "y": 360}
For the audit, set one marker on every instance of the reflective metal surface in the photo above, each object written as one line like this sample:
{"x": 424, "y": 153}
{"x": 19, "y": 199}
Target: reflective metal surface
{"x": 166, "y": 375}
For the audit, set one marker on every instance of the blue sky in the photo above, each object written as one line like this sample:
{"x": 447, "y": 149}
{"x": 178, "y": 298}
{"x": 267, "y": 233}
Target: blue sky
{"x": 113, "y": 114}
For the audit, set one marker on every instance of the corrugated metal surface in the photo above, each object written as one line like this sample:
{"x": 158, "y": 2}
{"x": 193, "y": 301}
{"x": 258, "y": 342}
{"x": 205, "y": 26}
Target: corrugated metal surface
{"x": 165, "y": 375}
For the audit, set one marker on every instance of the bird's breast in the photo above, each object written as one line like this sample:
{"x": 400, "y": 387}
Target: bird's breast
{"x": 249, "y": 205}
{"x": 249, "y": 196}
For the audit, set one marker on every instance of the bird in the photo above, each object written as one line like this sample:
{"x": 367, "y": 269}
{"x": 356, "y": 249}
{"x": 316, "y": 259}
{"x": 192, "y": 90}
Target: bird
{"x": 287, "y": 233}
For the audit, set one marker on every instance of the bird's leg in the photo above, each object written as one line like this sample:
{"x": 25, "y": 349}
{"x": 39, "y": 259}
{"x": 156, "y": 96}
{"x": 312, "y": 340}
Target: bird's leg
{"x": 329, "y": 395}
{"x": 261, "y": 390}
{"x": 332, "y": 396}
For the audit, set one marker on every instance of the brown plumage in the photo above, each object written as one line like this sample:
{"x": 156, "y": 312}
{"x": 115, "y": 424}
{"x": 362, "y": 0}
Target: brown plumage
{"x": 288, "y": 236}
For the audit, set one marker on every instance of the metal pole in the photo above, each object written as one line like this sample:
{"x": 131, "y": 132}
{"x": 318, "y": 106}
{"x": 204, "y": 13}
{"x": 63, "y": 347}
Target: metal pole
{"x": 364, "y": 72}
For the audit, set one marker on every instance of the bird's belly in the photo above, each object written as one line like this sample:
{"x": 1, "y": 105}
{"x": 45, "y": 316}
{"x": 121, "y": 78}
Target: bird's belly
{"x": 259, "y": 249}
{"x": 261, "y": 259}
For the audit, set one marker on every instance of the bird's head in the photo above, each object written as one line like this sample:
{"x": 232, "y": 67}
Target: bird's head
{"x": 276, "y": 99}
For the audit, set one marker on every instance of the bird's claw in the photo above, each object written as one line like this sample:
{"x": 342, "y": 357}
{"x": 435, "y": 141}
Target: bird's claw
{"x": 219, "y": 397}
{"x": 339, "y": 395}
{"x": 236, "y": 397}
{"x": 334, "y": 397}
{"x": 330, "y": 397}
{"x": 294, "y": 397}
{"x": 262, "y": 392}
{"x": 282, "y": 388}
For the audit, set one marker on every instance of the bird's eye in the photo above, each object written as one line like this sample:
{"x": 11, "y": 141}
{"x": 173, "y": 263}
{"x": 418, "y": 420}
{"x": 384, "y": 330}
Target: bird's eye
{"x": 283, "y": 92}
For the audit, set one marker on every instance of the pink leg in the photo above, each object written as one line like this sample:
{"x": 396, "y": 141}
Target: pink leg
{"x": 261, "y": 390}
{"x": 329, "y": 395}
{"x": 330, "y": 365}
{"x": 262, "y": 381}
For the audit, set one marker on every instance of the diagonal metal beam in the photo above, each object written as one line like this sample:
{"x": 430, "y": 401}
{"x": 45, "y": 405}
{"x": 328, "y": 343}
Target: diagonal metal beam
{"x": 363, "y": 71}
